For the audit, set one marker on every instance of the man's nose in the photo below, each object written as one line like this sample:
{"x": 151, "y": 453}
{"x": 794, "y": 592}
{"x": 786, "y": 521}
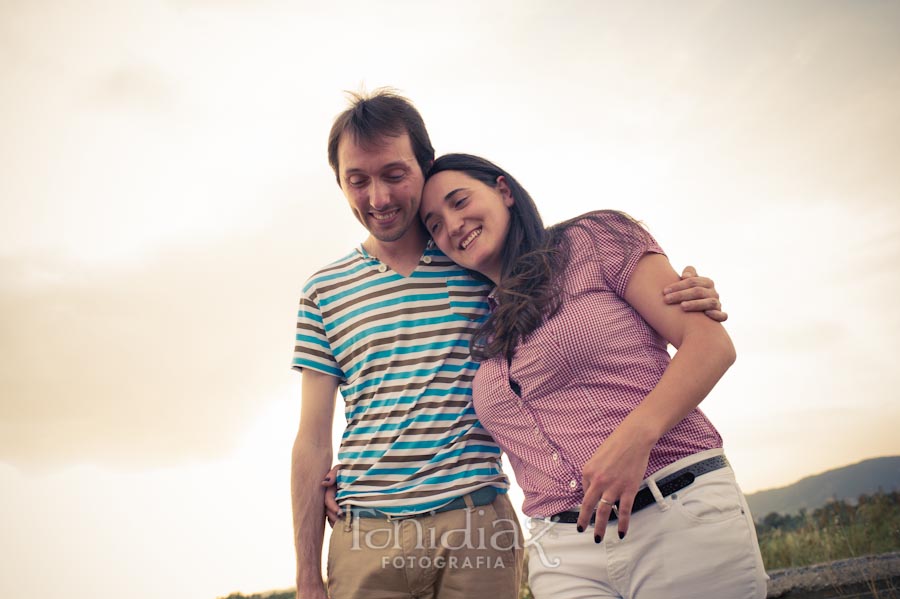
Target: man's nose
{"x": 379, "y": 195}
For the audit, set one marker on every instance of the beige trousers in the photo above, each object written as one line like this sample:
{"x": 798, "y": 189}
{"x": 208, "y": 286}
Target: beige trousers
{"x": 465, "y": 553}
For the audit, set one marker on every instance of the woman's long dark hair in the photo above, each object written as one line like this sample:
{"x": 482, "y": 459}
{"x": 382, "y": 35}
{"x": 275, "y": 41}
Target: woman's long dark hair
{"x": 530, "y": 258}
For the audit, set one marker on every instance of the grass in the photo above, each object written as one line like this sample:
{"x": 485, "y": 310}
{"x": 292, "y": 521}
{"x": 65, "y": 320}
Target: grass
{"x": 838, "y": 530}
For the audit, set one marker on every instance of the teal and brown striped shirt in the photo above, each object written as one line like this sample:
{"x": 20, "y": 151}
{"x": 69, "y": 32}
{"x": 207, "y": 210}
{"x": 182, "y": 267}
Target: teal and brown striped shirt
{"x": 400, "y": 347}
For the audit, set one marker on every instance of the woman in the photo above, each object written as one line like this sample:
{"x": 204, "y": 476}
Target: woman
{"x": 576, "y": 385}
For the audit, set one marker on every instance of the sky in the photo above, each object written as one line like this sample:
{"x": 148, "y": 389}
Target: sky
{"x": 165, "y": 193}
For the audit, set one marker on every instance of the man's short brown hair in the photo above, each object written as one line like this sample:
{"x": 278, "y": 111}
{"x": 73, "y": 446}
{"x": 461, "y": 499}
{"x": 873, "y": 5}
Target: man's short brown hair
{"x": 372, "y": 117}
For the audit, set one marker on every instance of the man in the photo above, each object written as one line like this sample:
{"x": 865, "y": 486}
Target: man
{"x": 390, "y": 325}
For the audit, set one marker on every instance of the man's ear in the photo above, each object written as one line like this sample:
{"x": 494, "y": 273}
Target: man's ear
{"x": 505, "y": 193}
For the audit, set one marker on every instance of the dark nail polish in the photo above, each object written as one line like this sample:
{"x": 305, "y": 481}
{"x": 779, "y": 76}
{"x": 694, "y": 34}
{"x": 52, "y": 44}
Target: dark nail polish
{"x": 579, "y": 528}
{"x": 597, "y": 538}
{"x": 621, "y": 535}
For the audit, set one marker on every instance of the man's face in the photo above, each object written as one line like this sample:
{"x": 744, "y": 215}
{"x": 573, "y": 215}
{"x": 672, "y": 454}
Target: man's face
{"x": 383, "y": 185}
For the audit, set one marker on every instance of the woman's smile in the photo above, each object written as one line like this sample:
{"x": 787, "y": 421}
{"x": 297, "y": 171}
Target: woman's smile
{"x": 469, "y": 238}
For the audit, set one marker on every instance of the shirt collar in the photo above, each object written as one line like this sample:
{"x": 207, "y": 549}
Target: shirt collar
{"x": 493, "y": 302}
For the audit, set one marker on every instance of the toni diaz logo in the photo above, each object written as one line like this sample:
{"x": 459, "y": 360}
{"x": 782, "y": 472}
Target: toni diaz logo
{"x": 477, "y": 544}
{"x": 503, "y": 535}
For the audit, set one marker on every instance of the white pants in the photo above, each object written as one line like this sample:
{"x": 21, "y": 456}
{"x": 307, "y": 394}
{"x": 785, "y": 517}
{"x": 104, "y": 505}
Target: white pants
{"x": 698, "y": 542}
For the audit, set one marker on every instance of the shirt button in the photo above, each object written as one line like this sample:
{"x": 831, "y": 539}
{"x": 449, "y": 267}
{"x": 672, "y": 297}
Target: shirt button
{"x": 555, "y": 456}
{"x": 573, "y": 484}
{"x": 382, "y": 268}
{"x": 427, "y": 259}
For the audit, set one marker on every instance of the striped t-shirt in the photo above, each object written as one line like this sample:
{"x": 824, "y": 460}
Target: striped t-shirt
{"x": 400, "y": 347}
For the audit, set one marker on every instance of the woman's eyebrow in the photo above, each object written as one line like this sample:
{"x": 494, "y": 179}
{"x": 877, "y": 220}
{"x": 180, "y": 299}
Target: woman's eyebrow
{"x": 447, "y": 198}
{"x": 450, "y": 195}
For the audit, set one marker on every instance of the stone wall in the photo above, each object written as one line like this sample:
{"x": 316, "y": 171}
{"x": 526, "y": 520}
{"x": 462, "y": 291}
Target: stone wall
{"x": 871, "y": 577}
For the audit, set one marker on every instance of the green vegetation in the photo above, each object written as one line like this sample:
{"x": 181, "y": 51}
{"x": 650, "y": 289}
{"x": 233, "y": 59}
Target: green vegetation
{"x": 270, "y": 595}
{"x": 835, "y": 531}
{"x": 524, "y": 589}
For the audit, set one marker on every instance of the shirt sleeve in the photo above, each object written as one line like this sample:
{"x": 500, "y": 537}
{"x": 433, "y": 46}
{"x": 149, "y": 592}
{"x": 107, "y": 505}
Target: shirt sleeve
{"x": 620, "y": 242}
{"x": 311, "y": 346}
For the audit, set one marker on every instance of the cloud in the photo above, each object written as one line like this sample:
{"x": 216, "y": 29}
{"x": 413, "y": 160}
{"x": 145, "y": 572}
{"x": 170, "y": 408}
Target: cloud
{"x": 806, "y": 337}
{"x": 134, "y": 86}
{"x": 149, "y": 363}
{"x": 728, "y": 113}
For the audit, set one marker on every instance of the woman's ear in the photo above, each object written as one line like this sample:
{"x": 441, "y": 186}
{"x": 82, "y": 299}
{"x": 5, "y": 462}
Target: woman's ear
{"x": 505, "y": 192}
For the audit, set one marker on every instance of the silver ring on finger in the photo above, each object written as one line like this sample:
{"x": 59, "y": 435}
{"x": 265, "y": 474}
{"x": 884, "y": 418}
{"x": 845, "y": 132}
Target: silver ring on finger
{"x": 612, "y": 504}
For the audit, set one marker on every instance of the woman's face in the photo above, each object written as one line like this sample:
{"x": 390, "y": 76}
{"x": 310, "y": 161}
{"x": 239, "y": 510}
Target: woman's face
{"x": 468, "y": 220}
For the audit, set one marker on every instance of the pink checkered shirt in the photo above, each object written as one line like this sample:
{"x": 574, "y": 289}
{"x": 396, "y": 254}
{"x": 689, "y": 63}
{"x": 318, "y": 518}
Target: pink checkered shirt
{"x": 580, "y": 374}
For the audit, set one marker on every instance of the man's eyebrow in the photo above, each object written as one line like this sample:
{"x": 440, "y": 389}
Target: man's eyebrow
{"x": 388, "y": 166}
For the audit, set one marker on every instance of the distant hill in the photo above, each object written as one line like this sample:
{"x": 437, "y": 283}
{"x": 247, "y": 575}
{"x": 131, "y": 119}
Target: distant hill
{"x": 845, "y": 483}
